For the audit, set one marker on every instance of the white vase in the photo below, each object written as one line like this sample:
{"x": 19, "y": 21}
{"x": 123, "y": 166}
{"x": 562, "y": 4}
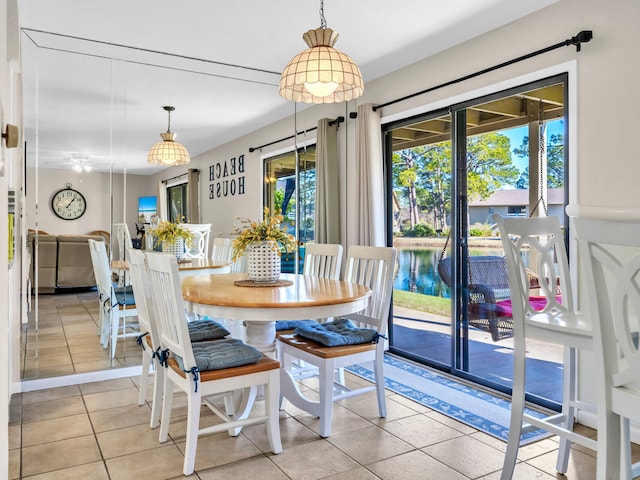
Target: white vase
{"x": 175, "y": 248}
{"x": 264, "y": 262}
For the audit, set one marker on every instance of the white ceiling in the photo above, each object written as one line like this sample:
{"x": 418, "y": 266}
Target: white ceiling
{"x": 97, "y": 72}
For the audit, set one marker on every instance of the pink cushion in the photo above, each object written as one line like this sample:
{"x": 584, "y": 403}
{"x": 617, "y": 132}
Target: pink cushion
{"x": 503, "y": 308}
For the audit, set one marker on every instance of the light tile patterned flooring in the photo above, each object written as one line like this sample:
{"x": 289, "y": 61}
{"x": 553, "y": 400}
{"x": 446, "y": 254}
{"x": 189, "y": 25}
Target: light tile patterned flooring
{"x": 97, "y": 431}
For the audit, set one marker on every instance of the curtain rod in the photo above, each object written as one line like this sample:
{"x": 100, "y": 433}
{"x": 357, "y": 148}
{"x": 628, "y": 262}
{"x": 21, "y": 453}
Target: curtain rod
{"x": 583, "y": 37}
{"x": 337, "y": 121}
{"x": 181, "y": 175}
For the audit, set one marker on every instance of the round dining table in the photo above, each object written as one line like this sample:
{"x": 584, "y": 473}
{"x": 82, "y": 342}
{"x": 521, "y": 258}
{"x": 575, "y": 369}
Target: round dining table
{"x": 298, "y": 297}
{"x": 202, "y": 266}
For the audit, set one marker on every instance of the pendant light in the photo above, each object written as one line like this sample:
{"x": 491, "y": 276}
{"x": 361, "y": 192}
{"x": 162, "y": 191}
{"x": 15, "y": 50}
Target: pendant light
{"x": 321, "y": 74}
{"x": 168, "y": 151}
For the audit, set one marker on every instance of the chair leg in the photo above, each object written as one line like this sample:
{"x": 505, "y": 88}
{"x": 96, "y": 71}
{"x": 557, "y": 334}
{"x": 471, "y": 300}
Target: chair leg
{"x": 379, "y": 376}
{"x": 158, "y": 390}
{"x": 115, "y": 324}
{"x": 144, "y": 377}
{"x": 326, "y": 373}
{"x": 568, "y": 406}
{"x": 193, "y": 423}
{"x": 271, "y": 394}
{"x": 517, "y": 409}
{"x": 167, "y": 403}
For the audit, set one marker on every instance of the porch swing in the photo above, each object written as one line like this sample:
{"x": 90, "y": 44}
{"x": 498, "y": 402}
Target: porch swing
{"x": 489, "y": 297}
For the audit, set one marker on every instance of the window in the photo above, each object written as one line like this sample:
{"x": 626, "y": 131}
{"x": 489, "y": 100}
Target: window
{"x": 177, "y": 203}
{"x": 517, "y": 210}
{"x": 290, "y": 188}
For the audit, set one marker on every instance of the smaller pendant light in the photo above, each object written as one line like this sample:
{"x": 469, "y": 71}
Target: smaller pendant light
{"x": 168, "y": 151}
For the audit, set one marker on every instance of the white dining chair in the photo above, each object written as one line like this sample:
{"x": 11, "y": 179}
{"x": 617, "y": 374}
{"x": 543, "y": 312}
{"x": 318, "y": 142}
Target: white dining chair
{"x": 205, "y": 370}
{"x": 118, "y": 305}
{"x": 369, "y": 266}
{"x": 222, "y": 250}
{"x": 123, "y": 241}
{"x": 200, "y": 242}
{"x": 610, "y": 251}
{"x": 537, "y": 244}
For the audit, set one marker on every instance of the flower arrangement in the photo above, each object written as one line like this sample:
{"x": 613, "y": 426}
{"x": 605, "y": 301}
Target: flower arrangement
{"x": 170, "y": 232}
{"x": 256, "y": 232}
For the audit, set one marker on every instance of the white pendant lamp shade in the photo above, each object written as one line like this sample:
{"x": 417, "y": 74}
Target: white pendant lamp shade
{"x": 168, "y": 152}
{"x": 321, "y": 74}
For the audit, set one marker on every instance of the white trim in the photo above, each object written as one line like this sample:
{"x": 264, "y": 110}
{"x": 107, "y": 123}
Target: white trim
{"x": 291, "y": 148}
{"x": 76, "y": 379}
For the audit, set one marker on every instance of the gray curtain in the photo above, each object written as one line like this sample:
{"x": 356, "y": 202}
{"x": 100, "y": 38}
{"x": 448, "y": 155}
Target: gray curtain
{"x": 193, "y": 189}
{"x": 327, "y": 221}
{"x": 369, "y": 208}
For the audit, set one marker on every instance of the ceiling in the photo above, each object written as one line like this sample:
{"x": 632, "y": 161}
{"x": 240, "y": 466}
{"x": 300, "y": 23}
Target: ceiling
{"x": 97, "y": 72}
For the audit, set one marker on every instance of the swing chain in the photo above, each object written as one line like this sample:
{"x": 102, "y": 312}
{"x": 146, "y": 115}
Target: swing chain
{"x": 541, "y": 155}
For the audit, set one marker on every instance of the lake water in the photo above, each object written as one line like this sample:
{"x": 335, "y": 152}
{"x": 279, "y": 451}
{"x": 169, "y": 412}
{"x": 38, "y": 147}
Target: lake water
{"x": 418, "y": 271}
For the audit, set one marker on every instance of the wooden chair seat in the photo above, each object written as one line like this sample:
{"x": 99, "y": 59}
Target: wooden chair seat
{"x": 323, "y": 351}
{"x": 262, "y": 365}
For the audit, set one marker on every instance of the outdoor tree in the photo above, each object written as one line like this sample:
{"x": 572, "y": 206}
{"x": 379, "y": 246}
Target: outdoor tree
{"x": 555, "y": 162}
{"x": 489, "y": 165}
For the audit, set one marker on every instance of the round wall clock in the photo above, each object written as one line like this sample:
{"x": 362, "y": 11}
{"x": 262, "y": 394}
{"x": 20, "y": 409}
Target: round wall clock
{"x": 68, "y": 204}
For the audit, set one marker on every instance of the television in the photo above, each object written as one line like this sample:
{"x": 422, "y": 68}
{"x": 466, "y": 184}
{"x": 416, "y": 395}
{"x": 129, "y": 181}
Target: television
{"x": 147, "y": 207}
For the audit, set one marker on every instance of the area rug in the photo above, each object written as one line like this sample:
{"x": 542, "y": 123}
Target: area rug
{"x": 472, "y": 406}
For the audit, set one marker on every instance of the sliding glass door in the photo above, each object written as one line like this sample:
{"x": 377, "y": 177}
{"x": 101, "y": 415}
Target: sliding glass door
{"x": 451, "y": 171}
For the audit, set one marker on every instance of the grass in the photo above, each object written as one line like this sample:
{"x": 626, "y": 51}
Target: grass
{"x": 422, "y": 303}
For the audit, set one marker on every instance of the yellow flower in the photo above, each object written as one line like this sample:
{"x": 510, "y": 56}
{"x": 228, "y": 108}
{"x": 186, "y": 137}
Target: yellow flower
{"x": 170, "y": 232}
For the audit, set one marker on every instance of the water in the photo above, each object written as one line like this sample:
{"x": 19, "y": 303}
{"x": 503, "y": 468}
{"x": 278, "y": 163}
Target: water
{"x": 417, "y": 270}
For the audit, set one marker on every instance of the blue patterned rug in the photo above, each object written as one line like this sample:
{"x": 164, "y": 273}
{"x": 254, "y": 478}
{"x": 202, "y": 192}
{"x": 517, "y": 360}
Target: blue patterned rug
{"x": 471, "y": 406}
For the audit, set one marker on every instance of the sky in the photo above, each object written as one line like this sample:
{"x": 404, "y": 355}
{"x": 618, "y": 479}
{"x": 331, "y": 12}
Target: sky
{"x": 517, "y": 134}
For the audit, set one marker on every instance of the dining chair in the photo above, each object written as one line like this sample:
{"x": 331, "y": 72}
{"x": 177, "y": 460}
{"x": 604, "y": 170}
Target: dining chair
{"x": 118, "y": 304}
{"x": 537, "y": 244}
{"x": 610, "y": 252}
{"x": 200, "y": 242}
{"x": 123, "y": 241}
{"x": 222, "y": 249}
{"x": 369, "y": 266}
{"x": 204, "y": 370}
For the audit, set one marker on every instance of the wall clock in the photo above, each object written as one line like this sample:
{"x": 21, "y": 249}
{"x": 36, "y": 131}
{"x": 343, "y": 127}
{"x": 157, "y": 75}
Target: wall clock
{"x": 68, "y": 204}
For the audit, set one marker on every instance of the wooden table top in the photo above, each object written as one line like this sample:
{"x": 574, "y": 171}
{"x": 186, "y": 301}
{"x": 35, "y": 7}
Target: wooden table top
{"x": 201, "y": 264}
{"x": 306, "y": 291}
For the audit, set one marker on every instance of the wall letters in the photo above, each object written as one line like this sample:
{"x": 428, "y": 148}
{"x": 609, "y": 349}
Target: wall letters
{"x": 226, "y": 178}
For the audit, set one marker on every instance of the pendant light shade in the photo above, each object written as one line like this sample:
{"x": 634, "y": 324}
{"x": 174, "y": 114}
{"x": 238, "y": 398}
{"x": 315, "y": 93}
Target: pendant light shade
{"x": 321, "y": 74}
{"x": 168, "y": 152}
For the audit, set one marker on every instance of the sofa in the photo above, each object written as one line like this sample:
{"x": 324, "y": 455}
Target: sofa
{"x": 64, "y": 261}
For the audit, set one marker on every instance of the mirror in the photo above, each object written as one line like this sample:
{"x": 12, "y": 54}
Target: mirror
{"x": 89, "y": 168}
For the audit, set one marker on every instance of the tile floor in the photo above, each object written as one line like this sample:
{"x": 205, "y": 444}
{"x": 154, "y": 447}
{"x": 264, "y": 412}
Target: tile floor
{"x": 97, "y": 430}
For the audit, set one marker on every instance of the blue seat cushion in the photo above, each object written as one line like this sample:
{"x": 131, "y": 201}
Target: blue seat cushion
{"x": 206, "y": 329}
{"x": 124, "y": 295}
{"x": 292, "y": 324}
{"x": 341, "y": 331}
{"x": 219, "y": 354}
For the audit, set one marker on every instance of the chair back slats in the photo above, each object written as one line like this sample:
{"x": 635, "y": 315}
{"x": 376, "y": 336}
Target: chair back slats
{"x": 373, "y": 267}
{"x": 102, "y": 271}
{"x": 141, "y": 294}
{"x": 168, "y": 305}
{"x": 536, "y": 244}
{"x": 323, "y": 260}
{"x": 123, "y": 239}
{"x": 200, "y": 242}
{"x": 612, "y": 261}
{"x": 222, "y": 250}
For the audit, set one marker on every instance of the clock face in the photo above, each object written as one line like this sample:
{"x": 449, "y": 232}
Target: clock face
{"x": 68, "y": 204}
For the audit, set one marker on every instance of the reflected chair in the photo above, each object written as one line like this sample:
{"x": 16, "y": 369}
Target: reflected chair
{"x": 369, "y": 266}
{"x": 207, "y": 370}
{"x": 222, "y": 250}
{"x": 118, "y": 304}
{"x": 537, "y": 244}
{"x": 123, "y": 241}
{"x": 200, "y": 242}
{"x": 610, "y": 251}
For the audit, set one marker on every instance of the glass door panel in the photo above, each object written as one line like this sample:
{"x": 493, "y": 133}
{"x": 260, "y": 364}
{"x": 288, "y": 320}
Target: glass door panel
{"x": 450, "y": 173}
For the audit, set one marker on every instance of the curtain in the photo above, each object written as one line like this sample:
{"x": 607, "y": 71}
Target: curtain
{"x": 193, "y": 191}
{"x": 327, "y": 200}
{"x": 369, "y": 208}
{"x": 162, "y": 201}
